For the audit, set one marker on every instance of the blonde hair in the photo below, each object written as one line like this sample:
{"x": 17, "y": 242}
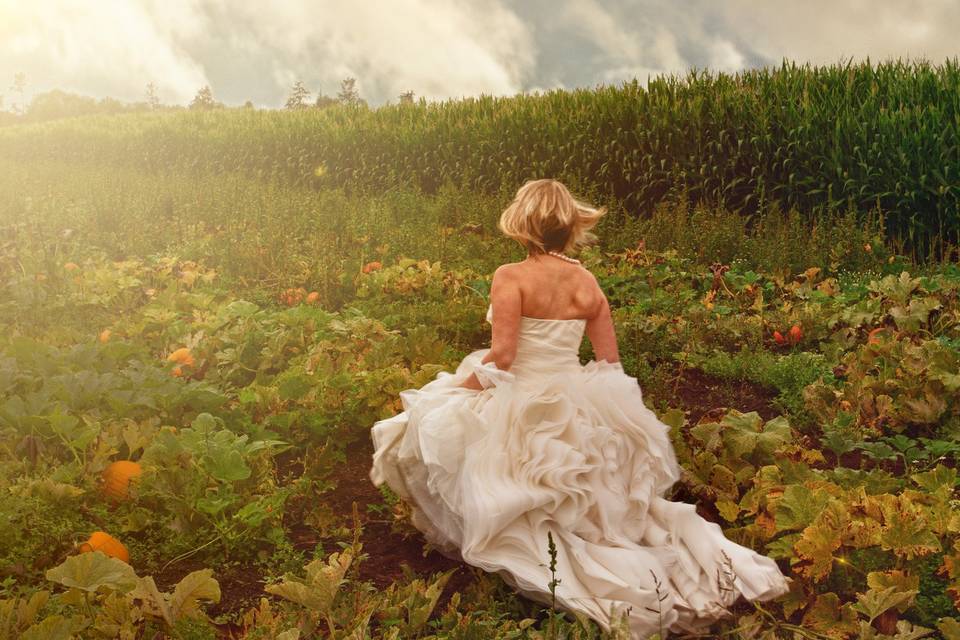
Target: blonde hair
{"x": 545, "y": 217}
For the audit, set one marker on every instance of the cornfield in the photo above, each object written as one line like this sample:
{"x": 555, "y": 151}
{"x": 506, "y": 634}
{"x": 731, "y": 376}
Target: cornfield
{"x": 865, "y": 136}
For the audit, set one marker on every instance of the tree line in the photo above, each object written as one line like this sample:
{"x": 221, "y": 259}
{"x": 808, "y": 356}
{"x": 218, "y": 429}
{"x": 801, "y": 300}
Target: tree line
{"x": 57, "y": 103}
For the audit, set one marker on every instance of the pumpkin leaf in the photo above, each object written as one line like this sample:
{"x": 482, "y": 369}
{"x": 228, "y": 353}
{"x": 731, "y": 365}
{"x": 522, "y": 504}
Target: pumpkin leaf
{"x": 295, "y": 591}
{"x": 924, "y": 410}
{"x": 361, "y": 624}
{"x": 905, "y": 531}
{"x": 707, "y": 434}
{"x": 55, "y": 627}
{"x": 914, "y": 315}
{"x": 28, "y": 610}
{"x": 728, "y": 509}
{"x": 724, "y": 481}
{"x": 939, "y": 478}
{"x": 92, "y": 570}
{"x": 227, "y": 467}
{"x": 816, "y": 545}
{"x": 782, "y": 547}
{"x": 154, "y": 602}
{"x": 747, "y": 436}
{"x": 239, "y": 309}
{"x": 894, "y": 578}
{"x": 877, "y": 601}
{"x": 950, "y": 628}
{"x": 420, "y": 608}
{"x": 904, "y": 631}
{"x": 793, "y": 600}
{"x": 322, "y": 582}
{"x": 118, "y": 617}
{"x": 799, "y": 506}
{"x": 826, "y": 616}
{"x": 896, "y": 288}
{"x": 294, "y": 386}
{"x": 949, "y": 380}
{"x": 195, "y": 586}
{"x": 767, "y": 480}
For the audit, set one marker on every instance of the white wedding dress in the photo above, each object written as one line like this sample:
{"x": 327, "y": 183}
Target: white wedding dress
{"x": 553, "y": 445}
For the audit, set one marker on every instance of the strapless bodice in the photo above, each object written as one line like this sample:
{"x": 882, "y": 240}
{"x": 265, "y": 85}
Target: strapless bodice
{"x": 546, "y": 345}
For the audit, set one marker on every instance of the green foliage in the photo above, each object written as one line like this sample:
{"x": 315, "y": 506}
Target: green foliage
{"x": 207, "y": 476}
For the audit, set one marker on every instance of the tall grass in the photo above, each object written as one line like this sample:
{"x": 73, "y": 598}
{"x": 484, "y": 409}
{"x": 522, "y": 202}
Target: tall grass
{"x": 864, "y": 136}
{"x": 266, "y": 233}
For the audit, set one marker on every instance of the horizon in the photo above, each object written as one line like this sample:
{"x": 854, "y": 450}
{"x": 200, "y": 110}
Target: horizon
{"x": 536, "y": 91}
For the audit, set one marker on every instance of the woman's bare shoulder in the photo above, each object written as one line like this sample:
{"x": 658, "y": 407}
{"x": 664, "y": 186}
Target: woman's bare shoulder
{"x": 593, "y": 292}
{"x": 507, "y": 270}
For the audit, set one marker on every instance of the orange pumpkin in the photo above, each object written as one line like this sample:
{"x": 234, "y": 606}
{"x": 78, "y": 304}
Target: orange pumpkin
{"x": 292, "y": 297}
{"x": 102, "y": 541}
{"x": 372, "y": 266}
{"x": 105, "y": 335}
{"x": 795, "y": 334}
{"x": 778, "y": 337}
{"x": 71, "y": 266}
{"x": 181, "y": 356}
{"x": 312, "y": 297}
{"x": 117, "y": 477}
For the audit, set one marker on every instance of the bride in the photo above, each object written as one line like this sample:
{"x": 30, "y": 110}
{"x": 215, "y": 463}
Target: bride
{"x": 523, "y": 441}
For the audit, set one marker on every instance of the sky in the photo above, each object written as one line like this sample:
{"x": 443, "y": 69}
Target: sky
{"x": 439, "y": 49}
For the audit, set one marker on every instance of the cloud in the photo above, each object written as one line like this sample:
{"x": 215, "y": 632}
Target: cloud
{"x": 109, "y": 47}
{"x": 246, "y": 49}
{"x": 438, "y": 49}
{"x": 243, "y": 48}
{"x": 826, "y": 31}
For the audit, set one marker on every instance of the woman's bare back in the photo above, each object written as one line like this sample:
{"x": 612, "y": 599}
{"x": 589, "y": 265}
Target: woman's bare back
{"x": 549, "y": 288}
{"x": 553, "y": 289}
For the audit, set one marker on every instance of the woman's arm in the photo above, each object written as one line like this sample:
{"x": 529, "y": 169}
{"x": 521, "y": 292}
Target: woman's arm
{"x": 602, "y": 335}
{"x": 505, "y": 299}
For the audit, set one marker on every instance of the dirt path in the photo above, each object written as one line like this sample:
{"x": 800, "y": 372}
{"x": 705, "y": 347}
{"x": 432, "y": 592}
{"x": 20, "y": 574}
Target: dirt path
{"x": 387, "y": 549}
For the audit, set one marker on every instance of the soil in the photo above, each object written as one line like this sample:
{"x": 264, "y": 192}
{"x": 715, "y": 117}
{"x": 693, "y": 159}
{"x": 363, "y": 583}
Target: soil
{"x": 701, "y": 394}
{"x": 386, "y": 548}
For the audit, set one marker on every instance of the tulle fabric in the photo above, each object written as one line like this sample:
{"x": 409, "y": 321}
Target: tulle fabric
{"x": 555, "y": 446}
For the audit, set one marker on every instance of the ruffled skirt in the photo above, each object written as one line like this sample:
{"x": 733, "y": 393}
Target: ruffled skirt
{"x": 575, "y": 453}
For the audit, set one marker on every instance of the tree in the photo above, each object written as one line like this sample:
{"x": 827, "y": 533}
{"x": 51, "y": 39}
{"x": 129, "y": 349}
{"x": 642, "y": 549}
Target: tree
{"x": 18, "y": 86}
{"x": 348, "y": 93}
{"x": 204, "y": 99}
{"x": 57, "y": 103}
{"x": 299, "y": 96}
{"x": 406, "y": 97}
{"x": 60, "y": 104}
{"x": 248, "y": 104}
{"x": 323, "y": 101}
{"x": 153, "y": 100}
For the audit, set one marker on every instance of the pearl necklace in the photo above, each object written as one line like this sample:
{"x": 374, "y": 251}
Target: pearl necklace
{"x": 557, "y": 254}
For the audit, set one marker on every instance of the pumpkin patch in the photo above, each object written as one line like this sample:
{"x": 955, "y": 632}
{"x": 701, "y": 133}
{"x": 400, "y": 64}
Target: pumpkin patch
{"x": 234, "y": 319}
